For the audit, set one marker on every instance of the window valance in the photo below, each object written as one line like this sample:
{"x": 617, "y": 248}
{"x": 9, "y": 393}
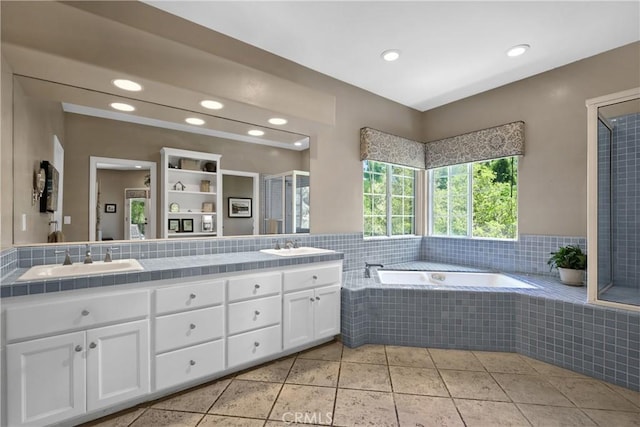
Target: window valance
{"x": 384, "y": 147}
{"x": 492, "y": 143}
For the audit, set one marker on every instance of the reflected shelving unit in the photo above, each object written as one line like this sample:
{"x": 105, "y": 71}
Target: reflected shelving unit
{"x": 191, "y": 193}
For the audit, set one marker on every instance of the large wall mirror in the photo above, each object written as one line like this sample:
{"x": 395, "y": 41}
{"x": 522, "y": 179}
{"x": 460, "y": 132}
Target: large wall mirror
{"x": 114, "y": 156}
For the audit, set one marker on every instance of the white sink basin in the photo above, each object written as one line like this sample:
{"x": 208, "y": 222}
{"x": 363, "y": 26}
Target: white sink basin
{"x": 304, "y": 250}
{"x": 97, "y": 267}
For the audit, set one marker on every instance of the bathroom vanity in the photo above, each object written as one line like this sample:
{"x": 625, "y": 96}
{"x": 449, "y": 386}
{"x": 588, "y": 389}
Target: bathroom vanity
{"x": 70, "y": 357}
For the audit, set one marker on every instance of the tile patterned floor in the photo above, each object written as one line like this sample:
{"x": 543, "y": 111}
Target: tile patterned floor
{"x": 377, "y": 385}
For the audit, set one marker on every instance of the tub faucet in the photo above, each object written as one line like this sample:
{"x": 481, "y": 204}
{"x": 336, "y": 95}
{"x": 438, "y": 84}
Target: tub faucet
{"x": 367, "y": 269}
{"x": 87, "y": 255}
{"x": 67, "y": 257}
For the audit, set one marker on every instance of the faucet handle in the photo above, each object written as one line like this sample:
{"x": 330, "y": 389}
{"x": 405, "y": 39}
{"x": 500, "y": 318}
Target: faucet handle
{"x": 277, "y": 247}
{"x": 67, "y": 256}
{"x": 295, "y": 244}
{"x": 107, "y": 257}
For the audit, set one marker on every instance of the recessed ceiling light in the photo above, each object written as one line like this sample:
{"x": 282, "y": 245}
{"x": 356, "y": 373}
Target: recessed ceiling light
{"x": 125, "y": 84}
{"x": 194, "y": 121}
{"x": 297, "y": 144}
{"x": 255, "y": 132}
{"x": 517, "y": 50}
{"x": 277, "y": 121}
{"x": 122, "y": 106}
{"x": 212, "y": 105}
{"x": 390, "y": 55}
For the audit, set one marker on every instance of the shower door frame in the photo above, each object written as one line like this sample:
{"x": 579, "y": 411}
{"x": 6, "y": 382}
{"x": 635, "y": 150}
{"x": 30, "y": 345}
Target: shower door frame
{"x": 593, "y": 105}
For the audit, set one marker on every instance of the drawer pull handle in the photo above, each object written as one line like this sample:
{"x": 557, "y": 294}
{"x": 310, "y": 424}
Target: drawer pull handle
{"x": 93, "y": 345}
{"x": 192, "y": 296}
{"x": 85, "y": 312}
{"x": 192, "y": 362}
{"x": 317, "y": 298}
{"x": 256, "y": 344}
{"x": 257, "y": 312}
{"x": 192, "y": 326}
{"x": 78, "y": 348}
{"x": 315, "y": 277}
{"x": 256, "y": 286}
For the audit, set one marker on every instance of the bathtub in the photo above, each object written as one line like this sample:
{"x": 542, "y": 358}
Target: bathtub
{"x": 450, "y": 278}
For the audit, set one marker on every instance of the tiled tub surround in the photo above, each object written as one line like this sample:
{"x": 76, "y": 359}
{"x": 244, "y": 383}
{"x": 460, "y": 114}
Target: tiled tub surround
{"x": 552, "y": 323}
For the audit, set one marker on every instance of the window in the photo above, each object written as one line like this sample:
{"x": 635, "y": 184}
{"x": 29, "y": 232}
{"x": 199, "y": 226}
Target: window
{"x": 475, "y": 199}
{"x": 389, "y": 199}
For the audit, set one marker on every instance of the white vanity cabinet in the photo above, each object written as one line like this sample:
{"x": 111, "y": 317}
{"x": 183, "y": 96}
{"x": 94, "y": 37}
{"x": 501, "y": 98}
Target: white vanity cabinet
{"x": 311, "y": 304}
{"x": 82, "y": 366}
{"x": 189, "y": 331}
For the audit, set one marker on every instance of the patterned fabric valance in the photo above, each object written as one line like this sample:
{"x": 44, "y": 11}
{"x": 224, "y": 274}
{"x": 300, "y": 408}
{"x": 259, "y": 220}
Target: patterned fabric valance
{"x": 493, "y": 143}
{"x": 384, "y": 147}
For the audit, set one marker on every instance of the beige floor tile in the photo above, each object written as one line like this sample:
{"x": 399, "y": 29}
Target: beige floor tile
{"x": 478, "y": 413}
{"x": 416, "y": 357}
{"x": 551, "y": 370}
{"x": 197, "y": 399}
{"x": 630, "y": 395}
{"x": 286, "y": 424}
{"x": 473, "y": 385}
{"x": 531, "y": 389}
{"x": 426, "y": 411}
{"x": 364, "y": 376}
{"x": 304, "y": 404}
{"x": 508, "y": 363}
{"x": 365, "y": 354}
{"x": 417, "y": 381}
{"x": 364, "y": 408}
{"x": 252, "y": 399}
{"x": 119, "y": 419}
{"x": 614, "y": 418}
{"x": 555, "y": 416}
{"x": 314, "y": 372}
{"x": 272, "y": 372}
{"x": 462, "y": 360}
{"x": 162, "y": 418}
{"x": 330, "y": 351}
{"x": 219, "y": 421}
{"x": 592, "y": 394}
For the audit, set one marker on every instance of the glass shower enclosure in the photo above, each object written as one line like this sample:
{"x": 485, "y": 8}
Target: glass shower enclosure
{"x": 286, "y": 208}
{"x": 613, "y": 191}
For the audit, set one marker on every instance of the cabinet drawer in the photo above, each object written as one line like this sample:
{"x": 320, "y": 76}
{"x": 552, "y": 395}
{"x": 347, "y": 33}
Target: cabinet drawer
{"x": 189, "y": 364}
{"x": 74, "y": 313}
{"x": 189, "y": 296}
{"x": 255, "y": 285}
{"x": 254, "y": 313}
{"x": 188, "y": 328}
{"x": 254, "y": 345}
{"x": 309, "y": 277}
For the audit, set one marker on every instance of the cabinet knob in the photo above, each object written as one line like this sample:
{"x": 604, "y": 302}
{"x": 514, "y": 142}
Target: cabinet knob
{"x": 85, "y": 312}
{"x": 257, "y": 312}
{"x": 192, "y": 362}
{"x": 317, "y": 298}
{"x": 311, "y": 299}
{"x": 256, "y": 286}
{"x": 256, "y": 344}
{"x": 192, "y": 296}
{"x": 192, "y": 326}
{"x": 93, "y": 345}
{"x": 78, "y": 348}
{"x": 315, "y": 277}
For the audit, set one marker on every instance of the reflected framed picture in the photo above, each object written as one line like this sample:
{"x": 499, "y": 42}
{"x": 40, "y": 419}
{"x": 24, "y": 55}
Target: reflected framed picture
{"x": 187, "y": 225}
{"x": 110, "y": 207}
{"x": 174, "y": 225}
{"x": 239, "y": 207}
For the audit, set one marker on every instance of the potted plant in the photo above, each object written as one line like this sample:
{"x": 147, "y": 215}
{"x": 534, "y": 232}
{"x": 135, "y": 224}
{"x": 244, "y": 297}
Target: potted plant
{"x": 571, "y": 263}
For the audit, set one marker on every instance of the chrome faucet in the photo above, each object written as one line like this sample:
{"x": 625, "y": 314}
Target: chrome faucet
{"x": 367, "y": 269}
{"x": 87, "y": 255}
{"x": 67, "y": 257}
{"x": 289, "y": 244}
{"x": 107, "y": 257}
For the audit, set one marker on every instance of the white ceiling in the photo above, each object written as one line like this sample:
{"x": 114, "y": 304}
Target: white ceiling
{"x": 450, "y": 50}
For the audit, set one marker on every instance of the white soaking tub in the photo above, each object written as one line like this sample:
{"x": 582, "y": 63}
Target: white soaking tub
{"x": 450, "y": 278}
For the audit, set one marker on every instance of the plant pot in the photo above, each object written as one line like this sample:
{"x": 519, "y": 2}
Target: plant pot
{"x": 571, "y": 277}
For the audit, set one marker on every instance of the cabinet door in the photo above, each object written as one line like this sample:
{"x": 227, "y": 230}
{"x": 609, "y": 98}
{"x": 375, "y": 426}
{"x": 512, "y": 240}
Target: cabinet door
{"x": 298, "y": 318}
{"x": 327, "y": 311}
{"x": 117, "y": 363}
{"x": 46, "y": 380}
